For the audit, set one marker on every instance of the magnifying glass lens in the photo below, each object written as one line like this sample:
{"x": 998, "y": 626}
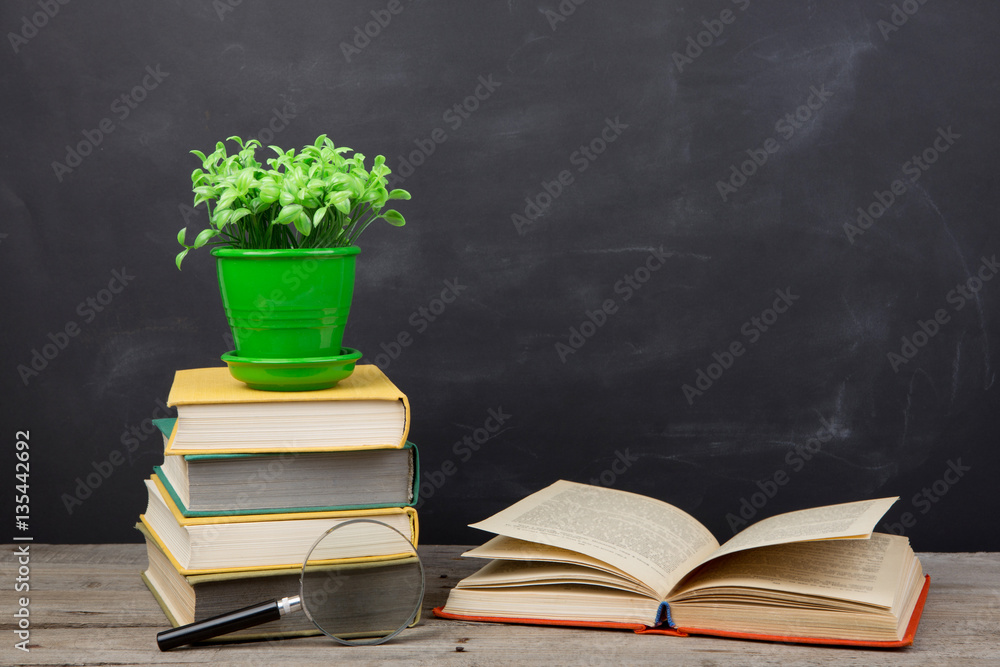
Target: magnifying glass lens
{"x": 350, "y": 595}
{"x": 357, "y": 599}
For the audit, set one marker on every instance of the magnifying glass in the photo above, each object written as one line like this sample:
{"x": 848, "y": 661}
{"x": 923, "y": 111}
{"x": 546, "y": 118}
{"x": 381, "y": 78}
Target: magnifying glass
{"x": 351, "y": 598}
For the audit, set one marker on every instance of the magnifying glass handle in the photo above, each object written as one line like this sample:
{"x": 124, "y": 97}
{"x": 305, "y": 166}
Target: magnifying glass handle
{"x": 225, "y": 623}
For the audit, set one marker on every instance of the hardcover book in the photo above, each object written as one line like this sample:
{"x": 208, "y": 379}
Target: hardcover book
{"x": 580, "y": 555}
{"x": 185, "y": 599}
{"x": 207, "y": 484}
{"x": 217, "y": 414}
{"x": 200, "y": 545}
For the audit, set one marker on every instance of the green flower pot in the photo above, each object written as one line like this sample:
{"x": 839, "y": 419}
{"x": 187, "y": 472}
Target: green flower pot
{"x": 287, "y": 304}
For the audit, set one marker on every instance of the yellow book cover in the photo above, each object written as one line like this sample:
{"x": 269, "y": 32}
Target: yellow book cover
{"x": 217, "y": 414}
{"x": 185, "y": 599}
{"x": 154, "y": 523}
{"x": 200, "y": 386}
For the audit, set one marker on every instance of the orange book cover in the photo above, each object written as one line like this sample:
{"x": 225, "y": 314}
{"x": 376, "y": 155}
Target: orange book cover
{"x": 907, "y": 640}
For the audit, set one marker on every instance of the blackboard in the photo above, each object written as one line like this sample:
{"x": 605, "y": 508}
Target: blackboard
{"x": 734, "y": 254}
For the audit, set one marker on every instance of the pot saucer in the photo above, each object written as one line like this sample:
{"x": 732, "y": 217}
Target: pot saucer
{"x": 303, "y": 374}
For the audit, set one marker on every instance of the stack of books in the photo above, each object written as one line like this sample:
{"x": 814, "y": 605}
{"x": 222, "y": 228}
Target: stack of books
{"x": 251, "y": 479}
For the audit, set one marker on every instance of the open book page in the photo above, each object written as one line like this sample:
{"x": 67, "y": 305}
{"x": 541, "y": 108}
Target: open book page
{"x": 650, "y": 540}
{"x": 511, "y": 548}
{"x": 848, "y": 520}
{"x": 507, "y": 573}
{"x": 569, "y": 603}
{"x": 866, "y": 571}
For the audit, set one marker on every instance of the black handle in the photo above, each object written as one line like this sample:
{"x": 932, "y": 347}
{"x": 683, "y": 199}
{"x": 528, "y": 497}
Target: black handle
{"x": 218, "y": 625}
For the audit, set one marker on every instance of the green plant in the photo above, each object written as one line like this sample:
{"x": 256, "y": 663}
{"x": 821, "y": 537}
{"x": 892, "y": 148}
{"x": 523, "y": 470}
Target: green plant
{"x": 317, "y": 198}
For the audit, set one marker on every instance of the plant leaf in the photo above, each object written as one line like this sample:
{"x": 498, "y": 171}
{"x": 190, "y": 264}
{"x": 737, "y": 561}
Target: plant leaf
{"x": 245, "y": 180}
{"x": 373, "y": 195}
{"x": 341, "y": 178}
{"x": 204, "y": 236}
{"x": 181, "y": 235}
{"x": 399, "y": 194}
{"x": 318, "y": 215}
{"x": 228, "y": 197}
{"x": 394, "y": 218}
{"x": 222, "y": 217}
{"x": 341, "y": 200}
{"x": 302, "y": 223}
{"x": 287, "y": 213}
{"x": 269, "y": 193}
{"x": 180, "y": 257}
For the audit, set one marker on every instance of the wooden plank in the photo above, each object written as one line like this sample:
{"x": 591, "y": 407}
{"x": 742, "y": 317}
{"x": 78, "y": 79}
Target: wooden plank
{"x": 88, "y": 606}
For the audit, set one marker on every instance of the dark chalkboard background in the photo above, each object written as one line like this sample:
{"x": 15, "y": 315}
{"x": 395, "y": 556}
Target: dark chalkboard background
{"x": 682, "y": 117}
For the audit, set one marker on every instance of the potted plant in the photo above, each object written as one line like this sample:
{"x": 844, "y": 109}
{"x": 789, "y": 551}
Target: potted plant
{"x": 284, "y": 236}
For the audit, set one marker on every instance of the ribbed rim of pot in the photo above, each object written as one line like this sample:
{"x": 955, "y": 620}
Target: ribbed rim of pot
{"x": 287, "y": 252}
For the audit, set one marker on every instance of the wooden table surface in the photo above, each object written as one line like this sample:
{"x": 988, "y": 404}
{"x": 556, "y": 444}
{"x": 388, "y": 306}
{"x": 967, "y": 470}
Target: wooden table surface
{"x": 88, "y": 606}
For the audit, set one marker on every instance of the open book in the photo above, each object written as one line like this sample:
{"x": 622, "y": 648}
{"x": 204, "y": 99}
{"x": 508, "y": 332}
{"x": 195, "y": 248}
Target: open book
{"x": 573, "y": 554}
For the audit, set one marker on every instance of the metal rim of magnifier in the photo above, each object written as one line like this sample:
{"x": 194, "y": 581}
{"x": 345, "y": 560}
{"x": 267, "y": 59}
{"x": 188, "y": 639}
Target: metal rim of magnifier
{"x": 377, "y": 640}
